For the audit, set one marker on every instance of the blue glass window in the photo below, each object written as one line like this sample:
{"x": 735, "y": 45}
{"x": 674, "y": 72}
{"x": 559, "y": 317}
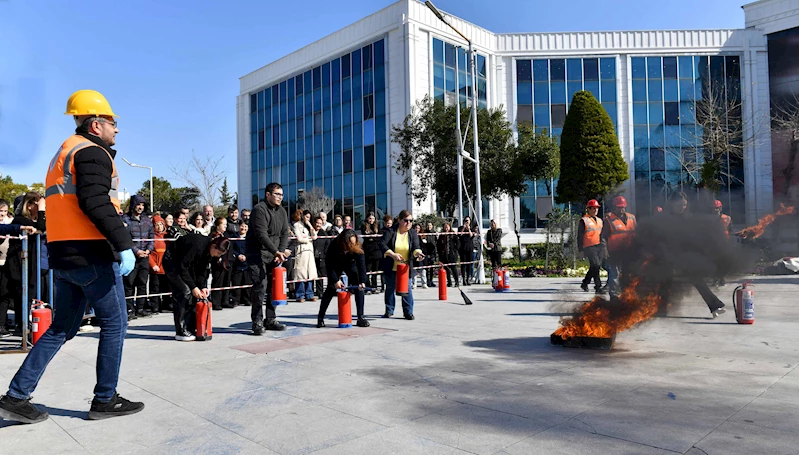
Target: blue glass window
{"x": 669, "y": 67}
{"x": 574, "y": 69}
{"x": 687, "y": 114}
{"x": 572, "y": 88}
{"x": 369, "y": 184}
{"x": 438, "y": 50}
{"x": 379, "y": 52}
{"x": 369, "y": 157}
{"x": 591, "y": 68}
{"x": 335, "y": 70}
{"x": 641, "y": 161}
{"x": 524, "y": 71}
{"x": 671, "y": 113}
{"x": 639, "y": 89}
{"x": 449, "y": 55}
{"x": 381, "y": 180}
{"x": 366, "y": 54}
{"x": 655, "y": 113}
{"x": 357, "y": 158}
{"x": 670, "y": 91}
{"x": 369, "y": 131}
{"x": 686, "y": 67}
{"x": 541, "y": 116}
{"x": 524, "y": 113}
{"x": 336, "y": 117}
{"x": 438, "y": 76}
{"x": 557, "y": 70}
{"x": 357, "y": 111}
{"x": 654, "y": 68}
{"x": 380, "y": 129}
{"x": 641, "y": 136}
{"x": 368, "y": 107}
{"x": 610, "y": 108}
{"x": 558, "y": 93}
{"x": 639, "y": 67}
{"x": 593, "y": 87}
{"x": 368, "y": 82}
{"x": 450, "y": 80}
{"x": 607, "y": 68}
{"x": 655, "y": 89}
{"x": 657, "y": 160}
{"x": 357, "y": 179}
{"x": 317, "y": 122}
{"x": 656, "y": 136}
{"x": 357, "y": 134}
{"x": 380, "y": 103}
{"x": 701, "y": 67}
{"x": 254, "y": 101}
{"x": 346, "y": 69}
{"x": 541, "y": 70}
{"x": 640, "y": 114}
{"x": 300, "y": 171}
{"x": 608, "y": 91}
{"x": 687, "y": 90}
{"x": 482, "y": 71}
{"x": 524, "y": 92}
{"x": 558, "y": 116}
{"x": 347, "y": 161}
{"x": 346, "y": 113}
{"x": 380, "y": 79}
{"x": 541, "y": 92}
{"x": 275, "y": 95}
{"x": 461, "y": 59}
{"x": 317, "y": 99}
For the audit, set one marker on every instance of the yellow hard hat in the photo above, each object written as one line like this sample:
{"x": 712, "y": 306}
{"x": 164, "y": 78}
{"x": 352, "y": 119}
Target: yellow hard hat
{"x": 88, "y": 102}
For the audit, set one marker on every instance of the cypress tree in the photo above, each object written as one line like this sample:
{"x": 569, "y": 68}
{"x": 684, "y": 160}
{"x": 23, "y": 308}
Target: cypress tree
{"x": 591, "y": 164}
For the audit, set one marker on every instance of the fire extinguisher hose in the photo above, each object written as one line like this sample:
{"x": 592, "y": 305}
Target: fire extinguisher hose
{"x": 734, "y": 303}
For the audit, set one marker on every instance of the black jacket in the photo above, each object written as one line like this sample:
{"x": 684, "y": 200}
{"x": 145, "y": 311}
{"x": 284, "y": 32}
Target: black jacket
{"x": 320, "y": 246}
{"x": 189, "y": 258}
{"x": 14, "y": 253}
{"x": 237, "y": 248}
{"x": 466, "y": 242}
{"x": 93, "y": 171}
{"x": 448, "y": 246}
{"x": 371, "y": 245}
{"x": 338, "y": 262}
{"x": 268, "y": 234}
{"x": 494, "y": 236}
{"x": 388, "y": 242}
{"x": 232, "y": 230}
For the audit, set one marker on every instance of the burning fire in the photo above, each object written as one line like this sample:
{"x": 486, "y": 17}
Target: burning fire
{"x": 756, "y": 231}
{"x": 600, "y": 318}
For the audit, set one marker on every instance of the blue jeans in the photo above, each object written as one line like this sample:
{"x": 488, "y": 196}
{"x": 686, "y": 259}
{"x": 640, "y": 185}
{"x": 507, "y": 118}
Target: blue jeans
{"x": 391, "y": 287}
{"x": 304, "y": 290}
{"x": 102, "y": 288}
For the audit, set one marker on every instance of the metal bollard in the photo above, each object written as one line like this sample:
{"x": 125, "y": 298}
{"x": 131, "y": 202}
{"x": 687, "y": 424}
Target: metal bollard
{"x": 24, "y": 316}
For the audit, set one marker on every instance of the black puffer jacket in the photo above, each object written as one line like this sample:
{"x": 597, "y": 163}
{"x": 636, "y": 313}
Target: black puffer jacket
{"x": 93, "y": 170}
{"x": 189, "y": 258}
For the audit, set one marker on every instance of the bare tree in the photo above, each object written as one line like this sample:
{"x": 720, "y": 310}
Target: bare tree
{"x": 785, "y": 122}
{"x": 205, "y": 174}
{"x": 315, "y": 201}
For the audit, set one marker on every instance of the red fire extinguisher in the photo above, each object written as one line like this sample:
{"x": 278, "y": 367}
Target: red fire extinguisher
{"x": 41, "y": 318}
{"x": 344, "y": 308}
{"x": 279, "y": 286}
{"x": 505, "y": 280}
{"x": 442, "y": 283}
{"x": 403, "y": 277}
{"x": 203, "y": 316}
{"x": 743, "y": 300}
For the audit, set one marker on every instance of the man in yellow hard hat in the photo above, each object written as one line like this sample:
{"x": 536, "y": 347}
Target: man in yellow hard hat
{"x": 90, "y": 250}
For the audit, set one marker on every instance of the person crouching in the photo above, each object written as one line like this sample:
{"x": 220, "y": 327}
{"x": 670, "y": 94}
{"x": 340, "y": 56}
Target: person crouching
{"x": 345, "y": 255}
{"x": 186, "y": 264}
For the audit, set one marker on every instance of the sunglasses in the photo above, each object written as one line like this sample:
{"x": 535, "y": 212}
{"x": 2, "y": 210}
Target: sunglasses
{"x": 408, "y": 220}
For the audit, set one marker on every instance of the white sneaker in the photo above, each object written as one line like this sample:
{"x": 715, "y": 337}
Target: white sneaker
{"x": 184, "y": 337}
{"x": 718, "y": 312}
{"x": 413, "y": 286}
{"x": 86, "y": 328}
{"x": 424, "y": 286}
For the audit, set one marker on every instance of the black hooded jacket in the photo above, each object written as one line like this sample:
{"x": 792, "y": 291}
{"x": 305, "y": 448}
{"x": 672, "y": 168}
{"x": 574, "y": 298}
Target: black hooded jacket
{"x": 189, "y": 258}
{"x": 93, "y": 171}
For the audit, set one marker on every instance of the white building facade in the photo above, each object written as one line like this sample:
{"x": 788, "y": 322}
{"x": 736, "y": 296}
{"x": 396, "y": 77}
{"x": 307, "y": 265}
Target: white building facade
{"x": 322, "y": 116}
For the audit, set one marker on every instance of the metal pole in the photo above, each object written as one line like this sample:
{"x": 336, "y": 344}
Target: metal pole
{"x": 51, "y": 284}
{"x": 479, "y": 214}
{"x": 38, "y": 258}
{"x": 22, "y": 319}
{"x": 459, "y": 143}
{"x": 152, "y": 207}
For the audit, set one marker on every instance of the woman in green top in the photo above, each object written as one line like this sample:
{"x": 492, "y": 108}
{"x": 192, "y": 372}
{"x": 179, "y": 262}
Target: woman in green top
{"x": 401, "y": 245}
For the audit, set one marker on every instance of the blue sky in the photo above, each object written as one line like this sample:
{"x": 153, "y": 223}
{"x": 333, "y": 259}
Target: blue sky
{"x": 171, "y": 69}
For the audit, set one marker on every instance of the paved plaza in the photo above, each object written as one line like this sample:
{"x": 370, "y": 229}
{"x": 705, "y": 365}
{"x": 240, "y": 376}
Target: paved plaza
{"x": 480, "y": 379}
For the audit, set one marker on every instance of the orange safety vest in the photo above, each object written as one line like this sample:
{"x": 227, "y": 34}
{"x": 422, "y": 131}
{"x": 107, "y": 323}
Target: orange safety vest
{"x": 65, "y": 219}
{"x": 725, "y": 223}
{"x": 621, "y": 234}
{"x": 593, "y": 231}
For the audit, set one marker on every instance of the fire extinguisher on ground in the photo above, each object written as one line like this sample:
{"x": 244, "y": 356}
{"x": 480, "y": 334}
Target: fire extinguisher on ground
{"x": 204, "y": 330}
{"x": 41, "y": 318}
{"x": 442, "y": 283}
{"x": 743, "y": 301}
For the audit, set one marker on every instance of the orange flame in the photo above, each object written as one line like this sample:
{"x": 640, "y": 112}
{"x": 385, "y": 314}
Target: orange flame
{"x": 757, "y": 230}
{"x": 601, "y": 319}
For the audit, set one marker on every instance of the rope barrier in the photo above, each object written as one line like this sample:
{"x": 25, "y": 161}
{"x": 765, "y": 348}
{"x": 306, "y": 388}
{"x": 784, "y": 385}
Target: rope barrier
{"x": 226, "y": 288}
{"x": 170, "y": 239}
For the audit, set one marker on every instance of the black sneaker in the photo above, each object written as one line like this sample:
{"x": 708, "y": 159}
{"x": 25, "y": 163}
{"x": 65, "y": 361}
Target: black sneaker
{"x": 257, "y": 328}
{"x": 144, "y": 313}
{"x": 386, "y": 315}
{"x": 410, "y": 317}
{"x": 362, "y": 323}
{"x": 132, "y": 316}
{"x": 117, "y": 407}
{"x": 584, "y": 287}
{"x": 274, "y": 325}
{"x": 4, "y": 333}
{"x": 20, "y": 410}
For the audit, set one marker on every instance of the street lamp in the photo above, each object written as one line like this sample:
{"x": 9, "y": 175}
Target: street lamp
{"x": 461, "y": 153}
{"x": 152, "y": 209}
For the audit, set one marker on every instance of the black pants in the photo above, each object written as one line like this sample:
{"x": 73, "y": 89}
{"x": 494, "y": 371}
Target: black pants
{"x": 466, "y": 269}
{"x": 220, "y": 278}
{"x": 713, "y": 303}
{"x": 430, "y": 272}
{"x": 594, "y": 256}
{"x": 330, "y": 292}
{"x": 261, "y": 276}
{"x": 10, "y": 292}
{"x": 136, "y": 284}
{"x": 160, "y": 284}
{"x": 240, "y": 277}
{"x": 452, "y": 274}
{"x": 496, "y": 259}
{"x": 183, "y": 306}
{"x": 321, "y": 270}
{"x": 372, "y": 265}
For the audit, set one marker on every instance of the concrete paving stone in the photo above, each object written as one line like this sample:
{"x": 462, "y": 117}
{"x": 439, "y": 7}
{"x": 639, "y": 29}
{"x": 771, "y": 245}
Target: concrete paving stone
{"x": 391, "y": 441}
{"x": 328, "y": 388}
{"x": 734, "y": 438}
{"x": 458, "y": 386}
{"x": 391, "y": 406}
{"x": 786, "y": 389}
{"x": 653, "y": 427}
{"x": 565, "y": 439}
{"x": 770, "y": 413}
{"x": 475, "y": 429}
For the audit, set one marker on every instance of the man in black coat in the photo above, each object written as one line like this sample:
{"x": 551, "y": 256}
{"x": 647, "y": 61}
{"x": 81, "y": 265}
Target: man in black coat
{"x": 186, "y": 264}
{"x": 266, "y": 248}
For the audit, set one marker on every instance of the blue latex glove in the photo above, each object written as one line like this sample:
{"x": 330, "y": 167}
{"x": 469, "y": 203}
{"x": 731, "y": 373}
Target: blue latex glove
{"x": 128, "y": 262}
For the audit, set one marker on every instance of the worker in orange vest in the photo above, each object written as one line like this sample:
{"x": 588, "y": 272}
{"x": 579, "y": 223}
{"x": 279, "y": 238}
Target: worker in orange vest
{"x": 617, "y": 233}
{"x": 725, "y": 221}
{"x": 589, "y": 233}
{"x": 89, "y": 251}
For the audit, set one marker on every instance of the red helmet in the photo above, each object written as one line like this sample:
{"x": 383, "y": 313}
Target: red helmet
{"x": 592, "y": 203}
{"x": 717, "y": 204}
{"x": 619, "y": 201}
{"x": 658, "y": 209}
